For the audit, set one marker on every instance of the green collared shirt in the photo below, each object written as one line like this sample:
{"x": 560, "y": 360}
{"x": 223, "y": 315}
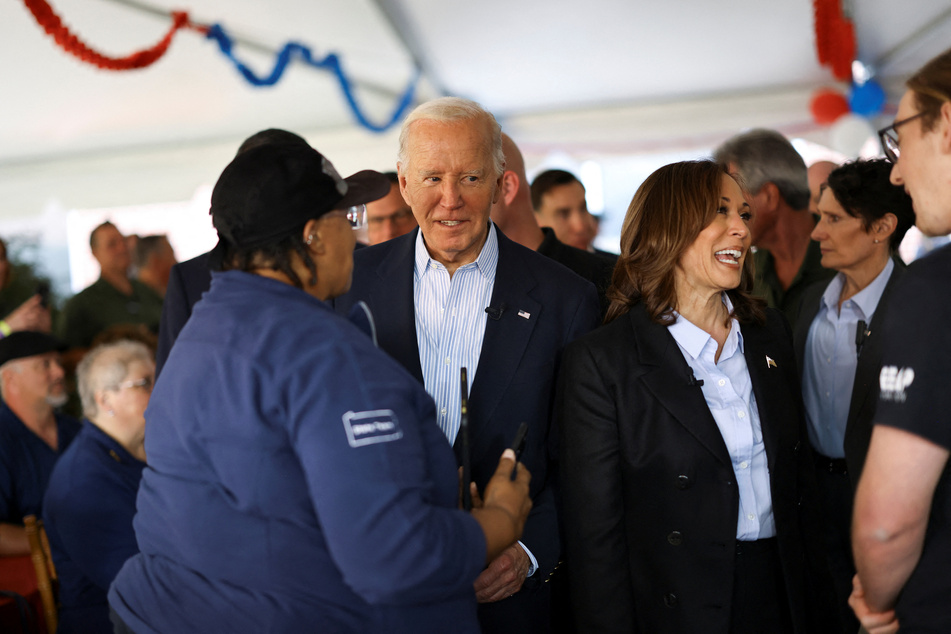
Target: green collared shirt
{"x": 767, "y": 285}
{"x": 101, "y": 305}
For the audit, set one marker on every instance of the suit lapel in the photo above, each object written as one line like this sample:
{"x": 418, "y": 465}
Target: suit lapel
{"x": 505, "y": 339}
{"x": 669, "y": 383}
{"x": 394, "y": 306}
{"x": 869, "y": 362}
{"x": 770, "y": 387}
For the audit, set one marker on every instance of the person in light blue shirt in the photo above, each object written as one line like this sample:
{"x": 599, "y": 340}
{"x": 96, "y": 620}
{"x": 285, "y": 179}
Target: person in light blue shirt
{"x": 458, "y": 293}
{"x": 689, "y": 501}
{"x": 862, "y": 220}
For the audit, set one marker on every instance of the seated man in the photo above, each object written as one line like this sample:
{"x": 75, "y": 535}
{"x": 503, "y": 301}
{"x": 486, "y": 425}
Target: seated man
{"x": 32, "y": 434}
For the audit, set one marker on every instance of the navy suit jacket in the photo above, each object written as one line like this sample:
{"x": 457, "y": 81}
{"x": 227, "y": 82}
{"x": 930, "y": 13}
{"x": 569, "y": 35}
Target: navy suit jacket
{"x": 546, "y": 307}
{"x": 858, "y": 428}
{"x": 186, "y": 283}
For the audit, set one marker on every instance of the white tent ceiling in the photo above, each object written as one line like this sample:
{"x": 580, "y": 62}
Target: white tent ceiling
{"x": 598, "y": 76}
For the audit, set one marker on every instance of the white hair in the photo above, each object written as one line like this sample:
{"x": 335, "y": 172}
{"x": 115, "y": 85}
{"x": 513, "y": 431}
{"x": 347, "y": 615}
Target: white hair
{"x": 104, "y": 367}
{"x": 448, "y": 109}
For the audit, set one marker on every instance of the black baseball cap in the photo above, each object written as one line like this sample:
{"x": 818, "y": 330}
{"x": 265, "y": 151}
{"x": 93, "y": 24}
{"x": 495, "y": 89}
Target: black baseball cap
{"x": 28, "y": 343}
{"x": 270, "y": 190}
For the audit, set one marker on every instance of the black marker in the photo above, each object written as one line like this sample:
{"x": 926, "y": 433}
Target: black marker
{"x": 518, "y": 445}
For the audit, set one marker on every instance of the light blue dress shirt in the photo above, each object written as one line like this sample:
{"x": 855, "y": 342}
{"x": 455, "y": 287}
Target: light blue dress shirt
{"x": 728, "y": 391}
{"x": 450, "y": 324}
{"x": 450, "y": 327}
{"x": 830, "y": 359}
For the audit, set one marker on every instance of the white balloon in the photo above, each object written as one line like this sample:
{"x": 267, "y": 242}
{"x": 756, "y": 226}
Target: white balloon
{"x": 849, "y": 133}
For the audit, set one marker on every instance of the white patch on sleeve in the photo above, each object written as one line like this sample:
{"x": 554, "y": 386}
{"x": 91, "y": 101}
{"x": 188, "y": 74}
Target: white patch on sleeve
{"x": 369, "y": 428}
{"x": 893, "y": 382}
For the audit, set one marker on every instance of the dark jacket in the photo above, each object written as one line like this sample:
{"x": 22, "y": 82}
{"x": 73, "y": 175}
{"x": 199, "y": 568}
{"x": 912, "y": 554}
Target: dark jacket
{"x": 650, "y": 499}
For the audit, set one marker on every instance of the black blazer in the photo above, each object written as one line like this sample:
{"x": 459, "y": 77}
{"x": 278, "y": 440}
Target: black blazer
{"x": 858, "y": 428}
{"x": 518, "y": 364}
{"x": 650, "y": 499}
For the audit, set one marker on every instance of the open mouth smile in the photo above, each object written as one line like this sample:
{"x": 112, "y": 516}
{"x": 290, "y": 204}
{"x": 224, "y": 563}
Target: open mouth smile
{"x": 728, "y": 256}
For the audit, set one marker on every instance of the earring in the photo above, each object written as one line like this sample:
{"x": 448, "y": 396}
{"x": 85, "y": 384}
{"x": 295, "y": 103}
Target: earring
{"x": 877, "y": 240}
{"x": 111, "y": 412}
{"x": 310, "y": 239}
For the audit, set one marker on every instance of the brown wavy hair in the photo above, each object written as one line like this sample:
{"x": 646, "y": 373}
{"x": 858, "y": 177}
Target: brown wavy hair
{"x": 667, "y": 213}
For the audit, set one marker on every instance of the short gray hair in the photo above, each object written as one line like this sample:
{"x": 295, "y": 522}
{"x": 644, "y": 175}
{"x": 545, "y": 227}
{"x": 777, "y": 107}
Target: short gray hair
{"x": 104, "y": 367}
{"x": 765, "y": 156}
{"x": 448, "y": 109}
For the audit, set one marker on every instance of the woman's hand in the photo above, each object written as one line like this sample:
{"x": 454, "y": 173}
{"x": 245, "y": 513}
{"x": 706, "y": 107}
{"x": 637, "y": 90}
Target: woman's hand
{"x": 505, "y": 506}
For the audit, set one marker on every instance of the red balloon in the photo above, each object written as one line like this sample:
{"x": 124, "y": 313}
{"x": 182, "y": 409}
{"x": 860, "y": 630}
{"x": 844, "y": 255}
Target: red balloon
{"x": 827, "y": 105}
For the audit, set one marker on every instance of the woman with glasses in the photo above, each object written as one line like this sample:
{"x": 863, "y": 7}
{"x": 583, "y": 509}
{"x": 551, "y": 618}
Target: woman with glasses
{"x": 90, "y": 500}
{"x": 862, "y": 220}
{"x": 297, "y": 479}
{"x": 901, "y": 533}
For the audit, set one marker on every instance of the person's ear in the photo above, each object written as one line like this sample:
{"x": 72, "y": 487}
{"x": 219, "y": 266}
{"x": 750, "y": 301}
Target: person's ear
{"x": 103, "y": 401}
{"x": 401, "y": 177}
{"x": 313, "y": 236}
{"x": 768, "y": 197}
{"x": 883, "y": 228}
{"x": 944, "y": 126}
{"x": 499, "y": 183}
{"x": 510, "y": 184}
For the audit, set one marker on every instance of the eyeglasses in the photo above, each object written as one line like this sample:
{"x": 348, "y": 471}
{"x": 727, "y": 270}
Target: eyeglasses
{"x": 889, "y": 137}
{"x": 145, "y": 384}
{"x": 356, "y": 215}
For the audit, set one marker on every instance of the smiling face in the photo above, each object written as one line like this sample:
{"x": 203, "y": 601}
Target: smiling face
{"x": 922, "y": 168}
{"x": 450, "y": 183}
{"x": 714, "y": 262}
{"x": 843, "y": 240}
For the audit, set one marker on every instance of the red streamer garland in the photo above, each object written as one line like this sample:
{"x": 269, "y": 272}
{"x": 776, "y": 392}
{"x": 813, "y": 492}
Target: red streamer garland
{"x": 835, "y": 38}
{"x": 54, "y": 26}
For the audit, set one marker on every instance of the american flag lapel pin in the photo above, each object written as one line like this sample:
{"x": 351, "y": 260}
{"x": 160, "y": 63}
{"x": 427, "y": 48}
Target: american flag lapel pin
{"x": 523, "y": 314}
{"x": 770, "y": 363}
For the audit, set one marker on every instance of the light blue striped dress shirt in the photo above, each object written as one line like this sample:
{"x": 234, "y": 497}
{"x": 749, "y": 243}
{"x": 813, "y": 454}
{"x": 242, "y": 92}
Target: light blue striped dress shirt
{"x": 830, "y": 358}
{"x": 450, "y": 327}
{"x": 450, "y": 324}
{"x": 728, "y": 391}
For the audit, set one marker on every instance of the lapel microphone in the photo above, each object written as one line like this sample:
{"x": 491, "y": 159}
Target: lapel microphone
{"x": 693, "y": 380}
{"x": 496, "y": 313}
{"x": 861, "y": 334}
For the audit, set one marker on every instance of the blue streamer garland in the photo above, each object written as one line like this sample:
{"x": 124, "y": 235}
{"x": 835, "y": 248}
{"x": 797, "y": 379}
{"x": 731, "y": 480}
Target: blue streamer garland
{"x": 331, "y": 62}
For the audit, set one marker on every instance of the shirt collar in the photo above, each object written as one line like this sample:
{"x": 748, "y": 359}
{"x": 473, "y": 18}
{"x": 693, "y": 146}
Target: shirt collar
{"x": 486, "y": 263}
{"x": 693, "y": 339}
{"x": 867, "y": 299}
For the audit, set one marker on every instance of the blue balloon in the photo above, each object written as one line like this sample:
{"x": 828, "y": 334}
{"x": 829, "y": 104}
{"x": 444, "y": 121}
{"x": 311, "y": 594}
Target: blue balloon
{"x": 868, "y": 99}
